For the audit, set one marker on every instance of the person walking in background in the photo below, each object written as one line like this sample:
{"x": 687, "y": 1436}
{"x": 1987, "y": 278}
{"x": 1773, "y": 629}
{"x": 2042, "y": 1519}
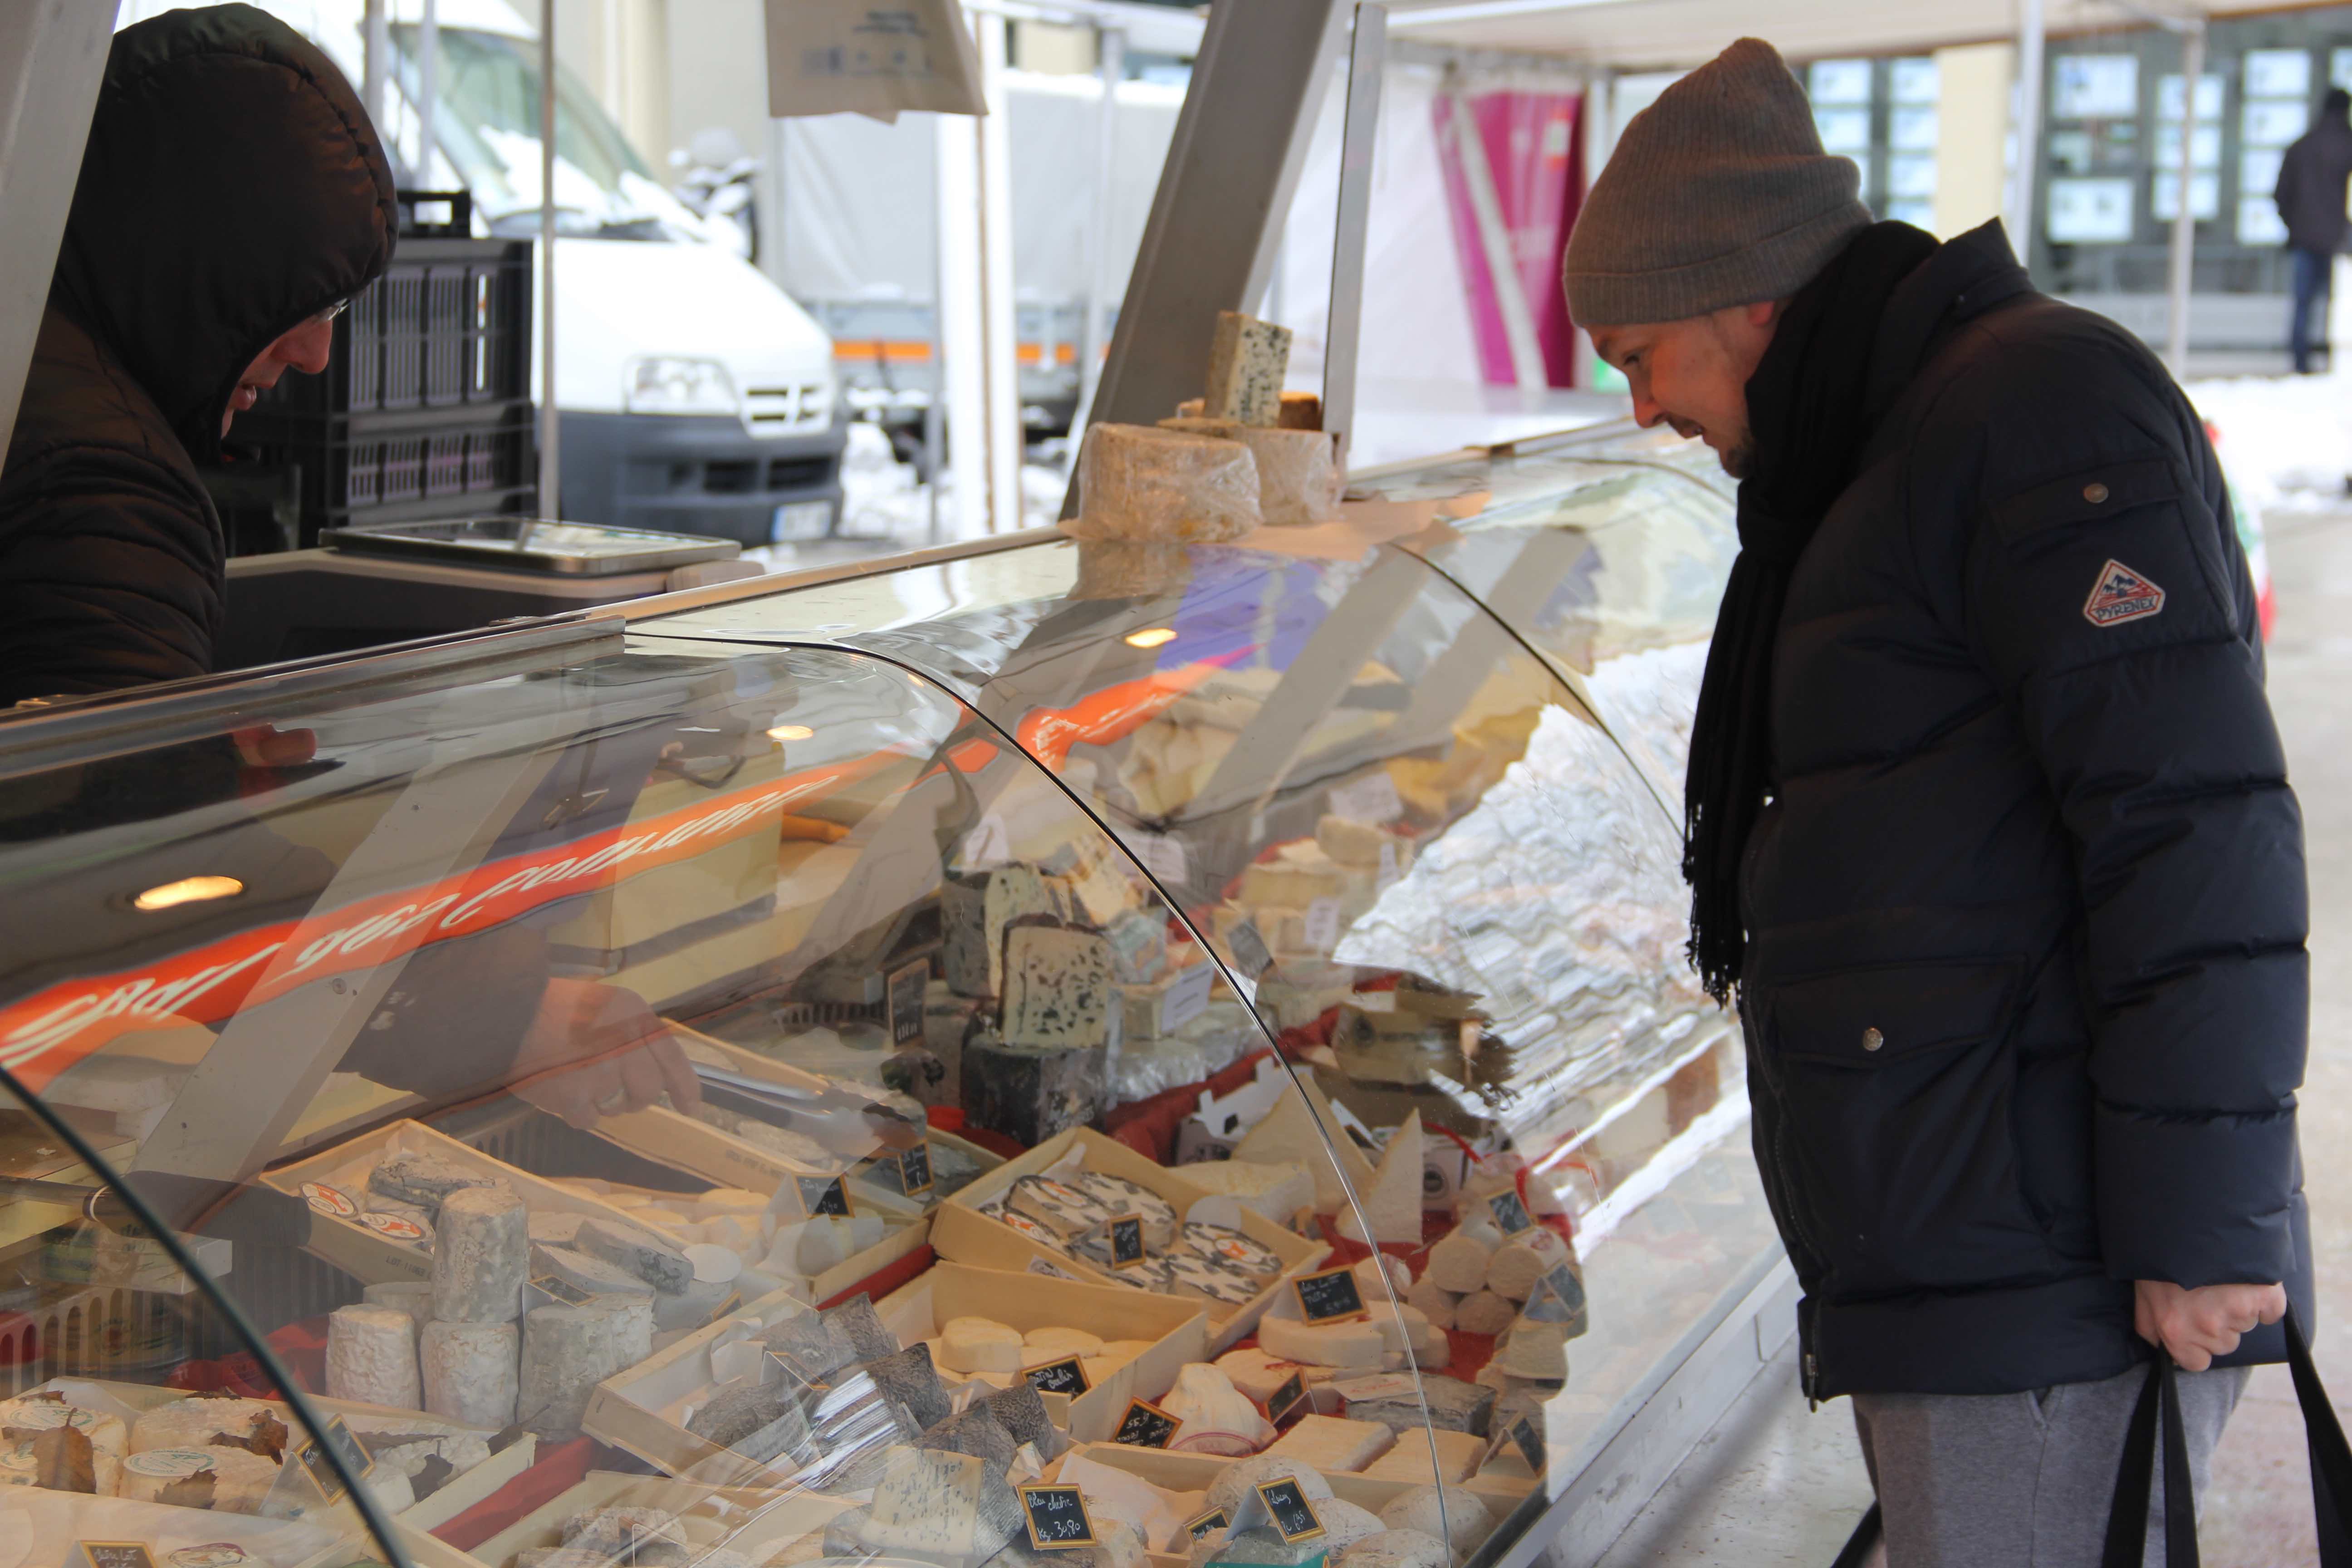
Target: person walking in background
{"x": 2310, "y": 197}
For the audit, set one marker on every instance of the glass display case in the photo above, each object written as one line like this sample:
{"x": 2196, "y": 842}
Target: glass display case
{"x": 1170, "y": 1055}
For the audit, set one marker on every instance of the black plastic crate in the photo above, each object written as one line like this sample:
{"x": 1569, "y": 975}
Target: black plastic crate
{"x": 447, "y": 324}
{"x": 391, "y": 465}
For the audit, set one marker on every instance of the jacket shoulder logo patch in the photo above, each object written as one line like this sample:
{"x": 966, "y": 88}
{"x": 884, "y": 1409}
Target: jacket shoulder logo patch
{"x": 2121, "y": 595}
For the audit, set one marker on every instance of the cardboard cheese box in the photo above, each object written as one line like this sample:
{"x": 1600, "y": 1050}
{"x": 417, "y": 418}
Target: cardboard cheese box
{"x": 749, "y": 1521}
{"x": 961, "y": 1234}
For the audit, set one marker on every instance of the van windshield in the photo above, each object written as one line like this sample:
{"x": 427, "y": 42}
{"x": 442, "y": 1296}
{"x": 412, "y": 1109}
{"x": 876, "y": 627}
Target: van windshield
{"x": 486, "y": 125}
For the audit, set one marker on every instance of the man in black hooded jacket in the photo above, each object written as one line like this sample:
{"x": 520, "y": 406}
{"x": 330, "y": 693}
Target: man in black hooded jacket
{"x": 1989, "y": 822}
{"x": 232, "y": 196}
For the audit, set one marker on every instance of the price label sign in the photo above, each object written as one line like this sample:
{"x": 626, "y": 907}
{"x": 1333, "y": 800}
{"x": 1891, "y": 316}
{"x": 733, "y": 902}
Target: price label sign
{"x": 1330, "y": 1297}
{"x": 826, "y": 1196}
{"x": 1510, "y": 1215}
{"x": 1250, "y": 955}
{"x": 1056, "y": 1517}
{"x": 1212, "y": 1520}
{"x": 1565, "y": 1287}
{"x": 1068, "y": 1375}
{"x": 1528, "y": 1442}
{"x": 1187, "y": 997}
{"x": 915, "y": 1170}
{"x": 312, "y": 1457}
{"x": 1293, "y": 1517}
{"x": 1322, "y": 925}
{"x": 1126, "y": 1241}
{"x": 1371, "y": 798}
{"x": 1164, "y": 855}
{"x": 110, "y": 1554}
{"x": 1145, "y": 1426}
{"x": 1286, "y": 1401}
{"x": 905, "y": 993}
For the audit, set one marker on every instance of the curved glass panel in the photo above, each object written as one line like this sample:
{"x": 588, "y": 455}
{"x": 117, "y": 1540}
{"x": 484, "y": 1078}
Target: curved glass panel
{"x": 744, "y": 1060}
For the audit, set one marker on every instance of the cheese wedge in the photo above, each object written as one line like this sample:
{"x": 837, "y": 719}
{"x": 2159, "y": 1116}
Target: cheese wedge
{"x": 1392, "y": 1204}
{"x": 1287, "y": 1135}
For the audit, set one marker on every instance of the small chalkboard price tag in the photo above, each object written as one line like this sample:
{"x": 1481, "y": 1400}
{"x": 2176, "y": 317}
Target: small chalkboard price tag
{"x": 915, "y": 1170}
{"x": 1330, "y": 1297}
{"x": 1285, "y": 1503}
{"x": 1250, "y": 955}
{"x": 1287, "y": 1399}
{"x": 312, "y": 1457}
{"x": 1058, "y": 1516}
{"x": 110, "y": 1554}
{"x": 1566, "y": 1289}
{"x": 1145, "y": 1426}
{"x": 1510, "y": 1213}
{"x": 904, "y": 991}
{"x": 1212, "y": 1520}
{"x": 826, "y": 1196}
{"x": 1126, "y": 1241}
{"x": 1068, "y": 1375}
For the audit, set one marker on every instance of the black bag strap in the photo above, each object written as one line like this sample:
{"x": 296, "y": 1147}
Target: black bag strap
{"x": 2160, "y": 1405}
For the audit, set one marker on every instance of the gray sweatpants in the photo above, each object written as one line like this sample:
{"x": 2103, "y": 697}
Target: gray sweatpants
{"x": 2021, "y": 1480}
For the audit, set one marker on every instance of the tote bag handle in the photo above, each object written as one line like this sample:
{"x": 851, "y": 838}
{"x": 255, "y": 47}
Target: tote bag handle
{"x": 2160, "y": 1405}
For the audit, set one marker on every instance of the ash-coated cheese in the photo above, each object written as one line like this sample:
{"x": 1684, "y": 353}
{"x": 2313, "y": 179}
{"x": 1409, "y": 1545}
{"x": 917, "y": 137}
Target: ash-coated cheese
{"x": 1221, "y": 1244}
{"x": 640, "y": 1252}
{"x": 1453, "y": 1406}
{"x": 1459, "y": 1262}
{"x": 1248, "y": 359}
{"x": 1331, "y": 1443}
{"x": 1028, "y": 1093}
{"x": 975, "y": 1431}
{"x": 583, "y": 1272}
{"x": 1299, "y": 478}
{"x": 909, "y": 1378}
{"x": 1350, "y": 1345}
{"x": 371, "y": 1356}
{"x": 863, "y": 1327}
{"x": 1244, "y": 1475}
{"x": 1142, "y": 484}
{"x": 1063, "y": 1207}
{"x": 1397, "y": 1549}
{"x": 1021, "y": 1410}
{"x": 1208, "y": 1278}
{"x": 981, "y": 1344}
{"x": 1422, "y": 1457}
{"x": 1061, "y": 987}
{"x": 1461, "y": 1517}
{"x": 414, "y": 1297}
{"x": 1121, "y": 1197}
{"x": 1344, "y": 1523}
{"x": 482, "y": 1257}
{"x": 424, "y": 1180}
{"x": 566, "y": 1352}
{"x": 471, "y": 1370}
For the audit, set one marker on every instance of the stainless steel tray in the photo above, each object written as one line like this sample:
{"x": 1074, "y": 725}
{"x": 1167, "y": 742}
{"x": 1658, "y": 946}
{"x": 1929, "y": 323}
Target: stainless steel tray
{"x": 534, "y": 544}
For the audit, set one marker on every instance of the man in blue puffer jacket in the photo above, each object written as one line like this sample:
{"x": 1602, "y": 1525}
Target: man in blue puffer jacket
{"x": 1990, "y": 824}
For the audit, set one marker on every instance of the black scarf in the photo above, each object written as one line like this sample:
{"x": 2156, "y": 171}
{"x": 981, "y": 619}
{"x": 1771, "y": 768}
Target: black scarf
{"x": 1807, "y": 422}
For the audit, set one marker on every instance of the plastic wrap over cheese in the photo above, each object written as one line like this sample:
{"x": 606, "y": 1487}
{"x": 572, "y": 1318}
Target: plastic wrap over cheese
{"x": 1136, "y": 482}
{"x": 1297, "y": 470}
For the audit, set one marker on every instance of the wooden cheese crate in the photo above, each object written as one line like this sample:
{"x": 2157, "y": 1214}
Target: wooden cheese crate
{"x": 741, "y": 1520}
{"x": 1198, "y": 1472}
{"x": 460, "y": 1492}
{"x": 640, "y": 1410}
{"x": 961, "y": 1233}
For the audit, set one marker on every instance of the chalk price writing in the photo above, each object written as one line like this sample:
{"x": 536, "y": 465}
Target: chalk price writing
{"x": 1286, "y": 1399}
{"x": 312, "y": 1457}
{"x": 1126, "y": 1241}
{"x": 1212, "y": 1520}
{"x": 826, "y": 1196}
{"x": 112, "y": 1554}
{"x": 1510, "y": 1215}
{"x": 1145, "y": 1426}
{"x": 1285, "y": 1503}
{"x": 1068, "y": 1375}
{"x": 905, "y": 991}
{"x": 1058, "y": 1516}
{"x": 1330, "y": 1295}
{"x": 915, "y": 1170}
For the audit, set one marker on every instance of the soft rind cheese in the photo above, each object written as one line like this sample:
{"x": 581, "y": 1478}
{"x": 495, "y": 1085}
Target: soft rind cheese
{"x": 981, "y": 1344}
{"x": 1299, "y": 479}
{"x": 1332, "y": 1443}
{"x": 1462, "y": 1519}
{"x": 372, "y": 1355}
{"x": 1396, "y": 1549}
{"x": 1244, "y": 1475}
{"x": 1217, "y": 1417}
{"x": 481, "y": 1256}
{"x": 1352, "y": 1345}
{"x": 1141, "y": 484}
{"x": 1421, "y": 1456}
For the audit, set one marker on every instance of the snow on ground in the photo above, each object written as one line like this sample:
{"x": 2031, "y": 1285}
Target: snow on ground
{"x": 2286, "y": 441}
{"x": 884, "y": 509}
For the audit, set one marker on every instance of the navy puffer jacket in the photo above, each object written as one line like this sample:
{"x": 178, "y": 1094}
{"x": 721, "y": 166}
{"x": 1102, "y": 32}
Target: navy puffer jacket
{"x": 2025, "y": 990}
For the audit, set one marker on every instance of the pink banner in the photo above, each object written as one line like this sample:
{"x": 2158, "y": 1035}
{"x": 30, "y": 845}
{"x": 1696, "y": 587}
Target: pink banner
{"x": 1531, "y": 141}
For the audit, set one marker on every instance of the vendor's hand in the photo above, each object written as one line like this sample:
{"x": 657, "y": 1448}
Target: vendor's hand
{"x": 594, "y": 1050}
{"x": 2195, "y": 1326}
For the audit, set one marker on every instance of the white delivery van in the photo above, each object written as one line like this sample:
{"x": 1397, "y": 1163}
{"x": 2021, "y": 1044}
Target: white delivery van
{"x": 695, "y": 394}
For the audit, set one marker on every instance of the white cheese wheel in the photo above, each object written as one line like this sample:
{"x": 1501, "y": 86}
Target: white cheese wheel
{"x": 1464, "y": 1519}
{"x": 1297, "y": 470}
{"x": 470, "y": 1372}
{"x": 1326, "y": 1344}
{"x": 372, "y": 1355}
{"x": 1138, "y": 483}
{"x": 33, "y": 1413}
{"x": 481, "y": 1256}
{"x": 193, "y": 1422}
{"x": 240, "y": 1479}
{"x": 1061, "y": 1342}
{"x": 981, "y": 1344}
{"x": 1459, "y": 1262}
{"x": 1432, "y": 1302}
{"x": 1484, "y": 1312}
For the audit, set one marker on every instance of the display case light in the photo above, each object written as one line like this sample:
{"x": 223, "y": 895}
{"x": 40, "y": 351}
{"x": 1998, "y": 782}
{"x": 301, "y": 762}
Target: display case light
{"x": 791, "y": 733}
{"x": 1151, "y": 637}
{"x": 187, "y": 890}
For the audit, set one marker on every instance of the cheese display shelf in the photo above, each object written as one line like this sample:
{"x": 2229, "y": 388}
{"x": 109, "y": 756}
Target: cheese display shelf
{"x": 770, "y": 1073}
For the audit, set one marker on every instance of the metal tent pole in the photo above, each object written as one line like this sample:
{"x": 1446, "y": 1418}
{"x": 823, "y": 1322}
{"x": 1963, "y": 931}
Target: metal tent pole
{"x": 1367, "y": 58}
{"x": 2184, "y": 222}
{"x": 375, "y": 34}
{"x": 2029, "y": 127}
{"x": 551, "y": 429}
{"x": 1110, "y": 64}
{"x": 428, "y": 86}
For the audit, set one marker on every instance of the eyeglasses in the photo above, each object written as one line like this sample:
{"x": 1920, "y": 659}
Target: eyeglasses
{"x": 332, "y": 311}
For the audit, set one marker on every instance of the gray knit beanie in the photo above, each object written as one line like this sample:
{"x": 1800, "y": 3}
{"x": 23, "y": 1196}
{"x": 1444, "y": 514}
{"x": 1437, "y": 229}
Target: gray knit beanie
{"x": 1718, "y": 195}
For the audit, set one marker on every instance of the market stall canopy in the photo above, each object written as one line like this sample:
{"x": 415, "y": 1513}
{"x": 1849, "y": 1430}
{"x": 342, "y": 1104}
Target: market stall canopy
{"x": 1632, "y": 33}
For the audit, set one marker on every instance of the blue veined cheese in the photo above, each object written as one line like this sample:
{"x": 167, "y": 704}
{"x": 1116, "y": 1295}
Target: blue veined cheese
{"x": 1142, "y": 484}
{"x": 929, "y": 1504}
{"x": 1061, "y": 987}
{"x": 975, "y": 908}
{"x": 1247, "y": 362}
